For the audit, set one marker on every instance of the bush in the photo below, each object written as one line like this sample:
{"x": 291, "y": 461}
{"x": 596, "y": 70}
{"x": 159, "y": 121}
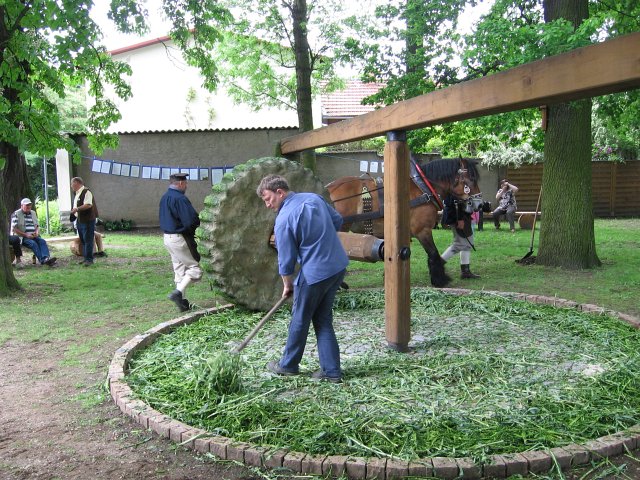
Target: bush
{"x": 118, "y": 225}
{"x": 55, "y": 225}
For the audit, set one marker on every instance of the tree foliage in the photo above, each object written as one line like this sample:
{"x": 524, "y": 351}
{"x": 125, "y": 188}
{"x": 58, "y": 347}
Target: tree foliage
{"x": 48, "y": 45}
{"x": 278, "y": 52}
{"x": 513, "y": 32}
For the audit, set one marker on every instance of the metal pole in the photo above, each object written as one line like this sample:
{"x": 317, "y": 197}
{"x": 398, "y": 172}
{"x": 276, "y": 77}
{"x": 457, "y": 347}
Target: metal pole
{"x": 46, "y": 194}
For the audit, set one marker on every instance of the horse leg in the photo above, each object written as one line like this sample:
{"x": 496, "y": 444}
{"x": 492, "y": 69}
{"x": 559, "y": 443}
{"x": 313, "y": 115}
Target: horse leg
{"x": 439, "y": 277}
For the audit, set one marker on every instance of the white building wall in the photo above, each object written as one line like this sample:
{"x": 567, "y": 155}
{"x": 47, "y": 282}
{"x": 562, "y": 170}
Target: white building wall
{"x": 167, "y": 94}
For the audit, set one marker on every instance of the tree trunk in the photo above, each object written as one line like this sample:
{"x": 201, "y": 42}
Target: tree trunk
{"x": 567, "y": 236}
{"x": 303, "y": 77}
{"x": 415, "y": 68}
{"x": 13, "y": 183}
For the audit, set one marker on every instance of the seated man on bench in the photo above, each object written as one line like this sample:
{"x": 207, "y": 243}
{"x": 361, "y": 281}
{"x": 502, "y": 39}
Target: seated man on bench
{"x": 24, "y": 224}
{"x": 506, "y": 197}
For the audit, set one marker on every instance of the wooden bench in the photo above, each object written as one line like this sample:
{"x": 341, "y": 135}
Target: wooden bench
{"x": 55, "y": 242}
{"x": 525, "y": 219}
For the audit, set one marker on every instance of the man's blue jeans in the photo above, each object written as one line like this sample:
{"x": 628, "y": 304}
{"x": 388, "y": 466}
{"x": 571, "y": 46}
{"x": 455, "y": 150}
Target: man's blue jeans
{"x": 313, "y": 303}
{"x": 39, "y": 247}
{"x": 86, "y": 233}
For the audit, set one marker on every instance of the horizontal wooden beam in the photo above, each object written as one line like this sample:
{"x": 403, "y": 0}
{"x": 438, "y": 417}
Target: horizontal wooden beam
{"x": 599, "y": 69}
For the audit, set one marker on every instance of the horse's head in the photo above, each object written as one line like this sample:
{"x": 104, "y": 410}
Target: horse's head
{"x": 465, "y": 185}
{"x": 465, "y": 181}
{"x": 458, "y": 177}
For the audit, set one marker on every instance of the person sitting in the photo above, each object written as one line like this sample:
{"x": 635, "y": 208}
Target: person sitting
{"x": 506, "y": 197}
{"x": 14, "y": 242}
{"x": 24, "y": 224}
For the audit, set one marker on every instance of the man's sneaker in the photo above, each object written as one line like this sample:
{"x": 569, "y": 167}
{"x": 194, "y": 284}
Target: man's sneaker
{"x": 100, "y": 254}
{"x": 51, "y": 261}
{"x": 274, "y": 367}
{"x": 321, "y": 376}
{"x": 186, "y": 305}
{"x": 176, "y": 297}
{"x": 87, "y": 264}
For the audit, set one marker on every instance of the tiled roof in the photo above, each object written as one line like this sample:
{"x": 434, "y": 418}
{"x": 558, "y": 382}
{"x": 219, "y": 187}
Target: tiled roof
{"x": 347, "y": 103}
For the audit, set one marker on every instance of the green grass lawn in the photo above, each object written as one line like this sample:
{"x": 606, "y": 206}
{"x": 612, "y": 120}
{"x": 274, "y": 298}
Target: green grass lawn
{"x": 130, "y": 286}
{"x": 613, "y": 285}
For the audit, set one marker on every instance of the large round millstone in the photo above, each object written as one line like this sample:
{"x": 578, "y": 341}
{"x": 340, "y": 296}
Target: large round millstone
{"x": 236, "y": 227}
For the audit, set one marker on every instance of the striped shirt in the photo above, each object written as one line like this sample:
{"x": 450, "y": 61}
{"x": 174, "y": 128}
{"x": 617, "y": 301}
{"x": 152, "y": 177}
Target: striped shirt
{"x": 29, "y": 225}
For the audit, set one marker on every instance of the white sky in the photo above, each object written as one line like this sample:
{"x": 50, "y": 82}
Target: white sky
{"x": 159, "y": 28}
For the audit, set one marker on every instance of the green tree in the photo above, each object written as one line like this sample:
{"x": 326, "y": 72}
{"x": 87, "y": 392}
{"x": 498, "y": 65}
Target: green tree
{"x": 567, "y": 236}
{"x": 46, "y": 46}
{"x": 513, "y": 33}
{"x": 269, "y": 60}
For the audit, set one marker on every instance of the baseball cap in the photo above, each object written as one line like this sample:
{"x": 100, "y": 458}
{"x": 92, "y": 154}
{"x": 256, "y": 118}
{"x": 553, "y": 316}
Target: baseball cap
{"x": 26, "y": 201}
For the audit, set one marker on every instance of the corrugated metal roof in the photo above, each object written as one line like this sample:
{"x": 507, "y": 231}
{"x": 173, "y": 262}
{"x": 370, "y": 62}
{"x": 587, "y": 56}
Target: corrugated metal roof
{"x": 206, "y": 130}
{"x": 347, "y": 103}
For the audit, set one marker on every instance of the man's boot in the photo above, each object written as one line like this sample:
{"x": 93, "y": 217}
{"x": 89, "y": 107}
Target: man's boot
{"x": 466, "y": 272}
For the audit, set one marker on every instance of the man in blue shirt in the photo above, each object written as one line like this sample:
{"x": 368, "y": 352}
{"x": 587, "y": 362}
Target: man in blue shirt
{"x": 178, "y": 221}
{"x": 305, "y": 231}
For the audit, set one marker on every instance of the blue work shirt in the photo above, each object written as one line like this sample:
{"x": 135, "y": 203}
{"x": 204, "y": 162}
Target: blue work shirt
{"x": 177, "y": 215}
{"x": 305, "y": 232}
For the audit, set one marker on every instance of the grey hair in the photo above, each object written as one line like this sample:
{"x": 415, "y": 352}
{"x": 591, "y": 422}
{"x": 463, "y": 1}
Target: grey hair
{"x": 78, "y": 179}
{"x": 273, "y": 183}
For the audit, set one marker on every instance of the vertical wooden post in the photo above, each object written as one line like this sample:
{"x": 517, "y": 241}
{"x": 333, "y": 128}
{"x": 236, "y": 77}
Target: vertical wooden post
{"x": 397, "y": 238}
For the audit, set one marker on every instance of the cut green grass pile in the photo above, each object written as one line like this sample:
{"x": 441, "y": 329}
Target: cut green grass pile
{"x": 486, "y": 374}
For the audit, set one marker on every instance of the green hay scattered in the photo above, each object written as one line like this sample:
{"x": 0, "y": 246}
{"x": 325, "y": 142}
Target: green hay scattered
{"x": 486, "y": 375}
{"x": 222, "y": 373}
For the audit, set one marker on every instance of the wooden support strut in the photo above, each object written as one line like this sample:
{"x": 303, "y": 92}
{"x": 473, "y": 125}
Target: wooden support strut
{"x": 397, "y": 237}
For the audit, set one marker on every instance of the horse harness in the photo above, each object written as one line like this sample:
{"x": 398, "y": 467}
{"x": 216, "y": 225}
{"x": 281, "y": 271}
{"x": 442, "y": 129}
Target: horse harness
{"x": 367, "y": 216}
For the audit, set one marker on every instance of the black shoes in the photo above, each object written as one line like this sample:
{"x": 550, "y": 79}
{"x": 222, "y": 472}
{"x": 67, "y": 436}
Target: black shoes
{"x": 51, "y": 261}
{"x": 100, "y": 254}
{"x": 181, "y": 303}
{"x": 465, "y": 272}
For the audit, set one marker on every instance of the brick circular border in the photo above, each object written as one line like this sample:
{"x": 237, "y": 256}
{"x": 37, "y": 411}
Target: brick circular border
{"x": 498, "y": 466}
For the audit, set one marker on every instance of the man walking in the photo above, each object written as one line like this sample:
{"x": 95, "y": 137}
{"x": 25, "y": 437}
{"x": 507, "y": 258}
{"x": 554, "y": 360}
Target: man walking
{"x": 305, "y": 232}
{"x": 84, "y": 213}
{"x": 178, "y": 221}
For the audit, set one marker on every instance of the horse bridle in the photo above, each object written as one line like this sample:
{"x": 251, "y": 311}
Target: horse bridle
{"x": 463, "y": 171}
{"x": 474, "y": 202}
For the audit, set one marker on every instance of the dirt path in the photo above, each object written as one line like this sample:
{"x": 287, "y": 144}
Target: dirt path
{"x": 43, "y": 435}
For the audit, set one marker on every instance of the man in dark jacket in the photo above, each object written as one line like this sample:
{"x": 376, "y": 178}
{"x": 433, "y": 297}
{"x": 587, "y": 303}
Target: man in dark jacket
{"x": 456, "y": 216}
{"x": 178, "y": 221}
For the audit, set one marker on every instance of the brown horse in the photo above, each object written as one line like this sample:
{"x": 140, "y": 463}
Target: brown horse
{"x": 359, "y": 201}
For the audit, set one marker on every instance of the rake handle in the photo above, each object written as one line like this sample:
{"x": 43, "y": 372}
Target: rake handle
{"x": 260, "y": 324}
{"x": 535, "y": 216}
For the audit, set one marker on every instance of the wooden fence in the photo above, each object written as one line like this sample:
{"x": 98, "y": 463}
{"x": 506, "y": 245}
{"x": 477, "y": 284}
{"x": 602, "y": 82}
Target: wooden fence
{"x": 615, "y": 187}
